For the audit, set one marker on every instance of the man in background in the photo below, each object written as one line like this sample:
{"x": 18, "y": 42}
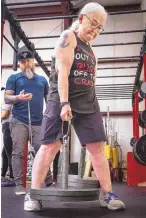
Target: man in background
{"x": 26, "y": 91}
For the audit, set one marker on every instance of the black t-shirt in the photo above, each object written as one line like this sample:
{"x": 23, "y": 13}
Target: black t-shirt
{"x": 82, "y": 96}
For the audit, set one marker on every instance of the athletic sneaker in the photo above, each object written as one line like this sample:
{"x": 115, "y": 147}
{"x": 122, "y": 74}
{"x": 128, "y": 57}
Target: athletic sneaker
{"x": 7, "y": 183}
{"x": 112, "y": 202}
{"x": 31, "y": 204}
{"x": 20, "y": 190}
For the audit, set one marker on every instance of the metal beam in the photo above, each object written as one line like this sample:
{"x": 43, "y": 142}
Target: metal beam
{"x": 102, "y": 61}
{"x": 124, "y": 60}
{"x": 102, "y": 99}
{"x": 120, "y": 84}
{"x": 114, "y": 95}
{"x": 33, "y": 12}
{"x": 35, "y": 2}
{"x": 105, "y": 33}
{"x": 10, "y": 43}
{"x": 129, "y": 7}
{"x": 118, "y": 113}
{"x": 114, "y": 68}
{"x": 100, "y": 45}
{"x": 114, "y": 92}
{"x": 16, "y": 26}
{"x": 36, "y": 11}
{"x": 123, "y": 57}
{"x": 66, "y": 10}
{"x": 114, "y": 89}
{"x": 124, "y": 32}
{"x": 115, "y": 76}
{"x": 117, "y": 44}
{"x": 75, "y": 16}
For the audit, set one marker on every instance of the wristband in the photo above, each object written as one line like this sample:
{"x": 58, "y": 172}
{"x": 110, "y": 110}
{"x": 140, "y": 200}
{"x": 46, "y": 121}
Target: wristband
{"x": 64, "y": 103}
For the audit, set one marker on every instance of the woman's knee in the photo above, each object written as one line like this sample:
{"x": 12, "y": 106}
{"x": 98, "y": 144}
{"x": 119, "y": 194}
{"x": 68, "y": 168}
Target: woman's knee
{"x": 53, "y": 147}
{"x": 96, "y": 147}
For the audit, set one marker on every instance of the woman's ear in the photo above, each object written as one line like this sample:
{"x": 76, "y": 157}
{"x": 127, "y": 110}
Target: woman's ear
{"x": 80, "y": 18}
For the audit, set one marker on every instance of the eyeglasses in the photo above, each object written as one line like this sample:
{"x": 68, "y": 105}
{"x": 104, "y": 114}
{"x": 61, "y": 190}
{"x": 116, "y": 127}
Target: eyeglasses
{"x": 94, "y": 24}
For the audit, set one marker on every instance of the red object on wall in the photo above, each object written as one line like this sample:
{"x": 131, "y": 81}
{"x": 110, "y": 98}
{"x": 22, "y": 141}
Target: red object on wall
{"x": 136, "y": 97}
{"x": 136, "y": 173}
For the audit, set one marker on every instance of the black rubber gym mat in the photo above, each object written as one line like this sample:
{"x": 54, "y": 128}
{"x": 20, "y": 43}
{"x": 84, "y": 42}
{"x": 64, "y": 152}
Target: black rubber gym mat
{"x": 134, "y": 198}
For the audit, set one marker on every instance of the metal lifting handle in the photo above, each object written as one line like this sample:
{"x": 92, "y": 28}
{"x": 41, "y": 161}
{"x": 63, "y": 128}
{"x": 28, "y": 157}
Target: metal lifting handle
{"x": 65, "y": 157}
{"x": 30, "y": 128}
{"x": 81, "y": 167}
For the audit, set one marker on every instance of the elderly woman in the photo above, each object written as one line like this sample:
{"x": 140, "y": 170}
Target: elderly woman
{"x": 72, "y": 93}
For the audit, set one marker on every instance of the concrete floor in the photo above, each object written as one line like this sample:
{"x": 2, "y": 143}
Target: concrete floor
{"x": 134, "y": 198}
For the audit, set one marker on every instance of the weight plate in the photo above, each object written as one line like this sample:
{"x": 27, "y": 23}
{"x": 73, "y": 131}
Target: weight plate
{"x": 139, "y": 150}
{"x": 143, "y": 116}
{"x": 70, "y": 194}
{"x": 143, "y": 87}
{"x": 143, "y": 90}
{"x": 75, "y": 181}
{"x": 140, "y": 122}
{"x": 85, "y": 180}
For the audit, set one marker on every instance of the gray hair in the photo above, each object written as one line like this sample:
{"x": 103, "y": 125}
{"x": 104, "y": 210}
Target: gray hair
{"x": 92, "y": 7}
{"x": 75, "y": 25}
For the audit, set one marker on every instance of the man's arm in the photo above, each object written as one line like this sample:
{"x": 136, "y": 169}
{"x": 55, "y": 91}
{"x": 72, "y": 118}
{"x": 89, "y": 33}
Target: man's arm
{"x": 64, "y": 53}
{"x": 5, "y": 114}
{"x": 9, "y": 95}
{"x": 6, "y": 108}
{"x": 10, "y": 98}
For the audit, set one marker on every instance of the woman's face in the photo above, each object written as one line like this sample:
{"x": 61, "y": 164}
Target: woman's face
{"x": 91, "y": 25}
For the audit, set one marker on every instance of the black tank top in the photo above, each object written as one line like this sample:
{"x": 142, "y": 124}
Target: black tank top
{"x": 82, "y": 96}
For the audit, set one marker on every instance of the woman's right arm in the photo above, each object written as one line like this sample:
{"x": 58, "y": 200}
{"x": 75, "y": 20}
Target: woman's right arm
{"x": 64, "y": 54}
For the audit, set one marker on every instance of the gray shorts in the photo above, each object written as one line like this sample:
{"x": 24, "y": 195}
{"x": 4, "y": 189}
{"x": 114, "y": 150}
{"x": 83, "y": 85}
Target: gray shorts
{"x": 88, "y": 127}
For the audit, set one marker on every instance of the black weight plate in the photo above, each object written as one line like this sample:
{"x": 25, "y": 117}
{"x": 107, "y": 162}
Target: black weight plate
{"x": 132, "y": 141}
{"x": 143, "y": 88}
{"x": 65, "y": 199}
{"x": 139, "y": 150}
{"x": 140, "y": 122}
{"x": 64, "y": 192}
{"x": 143, "y": 116}
{"x": 137, "y": 157}
{"x": 69, "y": 194}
